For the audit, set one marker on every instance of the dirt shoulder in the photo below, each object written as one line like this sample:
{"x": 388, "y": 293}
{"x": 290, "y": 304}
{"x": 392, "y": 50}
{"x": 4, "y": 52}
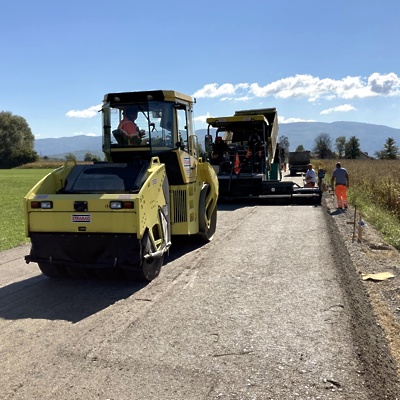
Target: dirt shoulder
{"x": 370, "y": 254}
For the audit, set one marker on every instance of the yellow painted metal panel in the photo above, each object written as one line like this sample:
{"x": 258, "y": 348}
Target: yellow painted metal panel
{"x": 117, "y": 221}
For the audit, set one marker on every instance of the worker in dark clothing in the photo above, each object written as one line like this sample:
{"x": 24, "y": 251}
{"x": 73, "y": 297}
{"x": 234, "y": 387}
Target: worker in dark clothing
{"x": 254, "y": 141}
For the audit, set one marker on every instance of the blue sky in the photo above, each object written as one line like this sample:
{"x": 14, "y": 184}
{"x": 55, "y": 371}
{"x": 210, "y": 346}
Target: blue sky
{"x": 313, "y": 60}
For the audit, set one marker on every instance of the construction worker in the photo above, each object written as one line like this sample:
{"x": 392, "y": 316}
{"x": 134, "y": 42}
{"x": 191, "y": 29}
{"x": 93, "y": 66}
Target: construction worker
{"x": 341, "y": 178}
{"x": 310, "y": 178}
{"x": 253, "y": 142}
{"x": 254, "y": 150}
{"x": 129, "y": 128}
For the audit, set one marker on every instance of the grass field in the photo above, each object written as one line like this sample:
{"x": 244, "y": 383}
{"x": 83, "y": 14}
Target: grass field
{"x": 15, "y": 184}
{"x": 374, "y": 189}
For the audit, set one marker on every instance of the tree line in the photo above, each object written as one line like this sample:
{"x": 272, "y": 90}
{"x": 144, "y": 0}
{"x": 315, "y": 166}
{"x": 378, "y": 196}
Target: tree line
{"x": 342, "y": 148}
{"x": 16, "y": 141}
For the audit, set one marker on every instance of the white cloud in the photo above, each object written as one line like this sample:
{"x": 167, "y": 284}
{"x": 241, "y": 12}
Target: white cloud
{"x": 212, "y": 90}
{"x": 342, "y": 108}
{"x": 308, "y": 86}
{"x": 283, "y": 120}
{"x": 201, "y": 118}
{"x": 236, "y": 99}
{"x": 88, "y": 113}
{"x": 84, "y": 134}
{"x": 388, "y": 84}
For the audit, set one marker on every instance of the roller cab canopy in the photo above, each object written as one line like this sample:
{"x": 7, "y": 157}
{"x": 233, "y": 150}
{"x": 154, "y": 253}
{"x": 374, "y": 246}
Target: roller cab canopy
{"x": 145, "y": 124}
{"x": 142, "y": 97}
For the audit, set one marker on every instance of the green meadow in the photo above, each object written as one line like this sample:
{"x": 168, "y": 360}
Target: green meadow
{"x": 14, "y": 185}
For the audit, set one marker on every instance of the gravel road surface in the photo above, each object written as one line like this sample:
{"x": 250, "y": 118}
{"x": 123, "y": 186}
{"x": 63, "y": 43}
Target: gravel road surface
{"x": 272, "y": 308}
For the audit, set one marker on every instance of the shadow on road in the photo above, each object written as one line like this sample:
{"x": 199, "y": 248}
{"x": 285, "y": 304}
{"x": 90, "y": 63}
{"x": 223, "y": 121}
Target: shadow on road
{"x": 62, "y": 299}
{"x": 72, "y": 299}
{"x": 338, "y": 212}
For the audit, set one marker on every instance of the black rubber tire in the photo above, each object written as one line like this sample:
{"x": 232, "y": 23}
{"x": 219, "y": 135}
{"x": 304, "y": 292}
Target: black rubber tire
{"x": 207, "y": 222}
{"x": 151, "y": 267}
{"x": 53, "y": 271}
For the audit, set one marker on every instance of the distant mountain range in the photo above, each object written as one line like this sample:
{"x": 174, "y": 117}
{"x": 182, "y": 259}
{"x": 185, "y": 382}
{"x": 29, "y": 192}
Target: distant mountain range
{"x": 78, "y": 145}
{"x": 372, "y": 138}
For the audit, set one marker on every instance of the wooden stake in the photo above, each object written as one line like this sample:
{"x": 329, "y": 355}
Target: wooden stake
{"x": 354, "y": 222}
{"x": 360, "y": 230}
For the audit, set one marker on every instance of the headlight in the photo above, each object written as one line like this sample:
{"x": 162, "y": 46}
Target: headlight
{"x": 42, "y": 204}
{"x": 118, "y": 205}
{"x": 115, "y": 205}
